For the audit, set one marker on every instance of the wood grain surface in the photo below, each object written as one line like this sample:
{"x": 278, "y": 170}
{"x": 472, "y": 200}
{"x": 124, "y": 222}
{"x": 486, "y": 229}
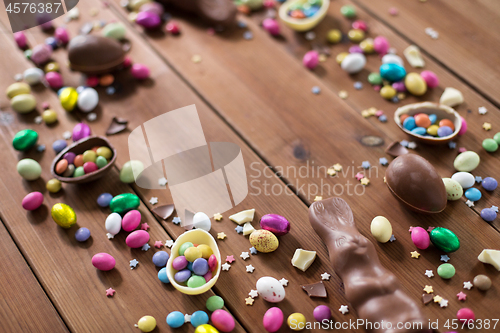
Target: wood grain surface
{"x": 258, "y": 95}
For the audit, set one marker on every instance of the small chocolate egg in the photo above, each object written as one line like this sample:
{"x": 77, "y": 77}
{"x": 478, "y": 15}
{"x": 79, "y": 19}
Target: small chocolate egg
{"x": 416, "y": 183}
{"x": 264, "y": 241}
{"x": 92, "y": 54}
{"x": 270, "y": 289}
{"x": 275, "y": 223}
{"x": 63, "y": 215}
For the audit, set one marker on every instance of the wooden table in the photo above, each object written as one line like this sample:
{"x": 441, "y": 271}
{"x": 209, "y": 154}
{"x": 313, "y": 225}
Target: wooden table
{"x": 257, "y": 94}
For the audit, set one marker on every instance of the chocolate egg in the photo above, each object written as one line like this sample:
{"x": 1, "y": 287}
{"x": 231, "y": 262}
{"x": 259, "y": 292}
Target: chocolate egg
{"x": 94, "y": 54}
{"x": 415, "y": 182}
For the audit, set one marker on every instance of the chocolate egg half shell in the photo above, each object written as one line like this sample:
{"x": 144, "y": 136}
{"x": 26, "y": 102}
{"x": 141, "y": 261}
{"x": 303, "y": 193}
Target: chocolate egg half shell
{"x": 415, "y": 182}
{"x": 94, "y": 54}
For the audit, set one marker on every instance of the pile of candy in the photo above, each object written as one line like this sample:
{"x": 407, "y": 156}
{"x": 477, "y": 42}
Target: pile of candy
{"x": 427, "y": 125}
{"x": 72, "y": 165}
{"x": 194, "y": 264}
{"x": 306, "y": 9}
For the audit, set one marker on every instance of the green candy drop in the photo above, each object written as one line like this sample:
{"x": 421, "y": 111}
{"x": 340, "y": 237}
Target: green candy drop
{"x": 445, "y": 240}
{"x": 122, "y": 203}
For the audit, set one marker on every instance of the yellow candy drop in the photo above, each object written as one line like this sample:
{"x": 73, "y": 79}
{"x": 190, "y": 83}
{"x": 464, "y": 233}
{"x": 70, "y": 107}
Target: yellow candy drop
{"x": 53, "y": 185}
{"x": 433, "y": 130}
{"x": 89, "y": 156}
{"x": 387, "y": 92}
{"x": 49, "y": 116}
{"x": 367, "y": 45}
{"x": 192, "y": 253}
{"x": 63, "y": 215}
{"x": 206, "y": 251}
{"x": 147, "y": 323}
{"x": 334, "y": 36}
{"x": 296, "y": 321}
{"x": 104, "y": 152}
{"x": 340, "y": 57}
{"x": 68, "y": 98}
{"x": 356, "y": 35}
{"x": 205, "y": 328}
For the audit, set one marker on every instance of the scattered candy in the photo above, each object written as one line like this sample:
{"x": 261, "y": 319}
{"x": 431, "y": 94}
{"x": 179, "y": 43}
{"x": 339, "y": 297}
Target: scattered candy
{"x": 482, "y": 282}
{"x": 103, "y": 261}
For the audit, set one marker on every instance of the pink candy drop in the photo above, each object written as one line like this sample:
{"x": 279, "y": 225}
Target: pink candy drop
{"x": 311, "y": 59}
{"x": 140, "y": 71}
{"x": 62, "y": 35}
{"x": 381, "y": 45}
{"x": 272, "y": 26}
{"x": 430, "y": 78}
{"x": 20, "y": 39}
{"x": 54, "y": 79}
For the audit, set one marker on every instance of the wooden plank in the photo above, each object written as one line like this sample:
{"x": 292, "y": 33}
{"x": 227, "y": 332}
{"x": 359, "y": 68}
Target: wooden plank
{"x": 24, "y": 306}
{"x": 62, "y": 264}
{"x": 467, "y": 43}
{"x": 274, "y": 120}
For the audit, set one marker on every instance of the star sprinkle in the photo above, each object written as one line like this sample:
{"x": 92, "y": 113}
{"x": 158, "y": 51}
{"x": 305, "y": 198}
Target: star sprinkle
{"x": 412, "y": 145}
{"x": 462, "y": 150}
{"x": 383, "y": 161}
{"x": 40, "y": 148}
{"x": 226, "y": 266}
{"x": 133, "y": 263}
{"x": 365, "y": 114}
{"x": 110, "y": 236}
{"x": 284, "y": 282}
{"x": 316, "y": 90}
{"x": 392, "y": 239}
{"x": 331, "y": 172}
{"x": 325, "y": 276}
{"x": 337, "y": 167}
{"x": 221, "y": 235}
{"x": 429, "y": 289}
{"x": 176, "y": 220}
{"x": 158, "y": 244}
{"x": 429, "y": 229}
{"x": 248, "y": 35}
{"x": 244, "y": 255}
{"x": 482, "y": 110}
{"x": 91, "y": 116}
{"x": 343, "y": 94}
{"x": 487, "y": 126}
{"x": 383, "y": 118}
{"x": 452, "y": 145}
{"x": 365, "y": 165}
{"x": 249, "y": 301}
{"x": 217, "y": 217}
{"x": 196, "y": 58}
{"x": 445, "y": 258}
{"x": 145, "y": 247}
{"x": 250, "y": 268}
{"x": 461, "y": 296}
{"x": 344, "y": 309}
{"x": 364, "y": 181}
{"x": 479, "y": 179}
{"x": 230, "y": 259}
{"x": 253, "y": 293}
{"x": 443, "y": 303}
{"x": 310, "y": 35}
{"x": 358, "y": 85}
{"x": 404, "y": 143}
{"x": 494, "y": 208}
{"x": 415, "y": 254}
{"x": 162, "y": 181}
{"x": 67, "y": 135}
{"x": 469, "y": 203}
{"x": 253, "y": 250}
{"x": 410, "y": 229}
{"x": 169, "y": 243}
{"x": 318, "y": 198}
{"x": 110, "y": 292}
{"x": 429, "y": 273}
{"x": 38, "y": 120}
{"x": 468, "y": 285}
{"x": 144, "y": 226}
{"x": 187, "y": 318}
{"x": 359, "y": 176}
{"x": 239, "y": 229}
{"x": 437, "y": 299}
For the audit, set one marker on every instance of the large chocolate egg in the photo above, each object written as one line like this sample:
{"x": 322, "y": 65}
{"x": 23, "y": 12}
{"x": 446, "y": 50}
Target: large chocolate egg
{"x": 94, "y": 54}
{"x": 415, "y": 182}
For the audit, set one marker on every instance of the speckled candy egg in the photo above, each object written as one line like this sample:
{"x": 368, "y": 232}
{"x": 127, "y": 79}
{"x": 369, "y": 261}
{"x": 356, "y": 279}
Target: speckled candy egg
{"x": 420, "y": 238}
{"x": 264, "y": 241}
{"x": 275, "y": 223}
{"x": 63, "y": 215}
{"x": 103, "y": 261}
{"x": 454, "y": 190}
{"x": 32, "y": 200}
{"x": 466, "y": 161}
{"x": 29, "y": 169}
{"x": 222, "y": 320}
{"x": 270, "y": 289}
{"x": 131, "y": 220}
{"x": 137, "y": 239}
{"x": 273, "y": 319}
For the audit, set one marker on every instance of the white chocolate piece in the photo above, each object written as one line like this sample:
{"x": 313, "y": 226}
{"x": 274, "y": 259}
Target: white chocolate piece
{"x": 451, "y": 97}
{"x": 303, "y": 259}
{"x": 248, "y": 229}
{"x": 381, "y": 229}
{"x": 413, "y": 56}
{"x": 243, "y": 216}
{"x": 491, "y": 257}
